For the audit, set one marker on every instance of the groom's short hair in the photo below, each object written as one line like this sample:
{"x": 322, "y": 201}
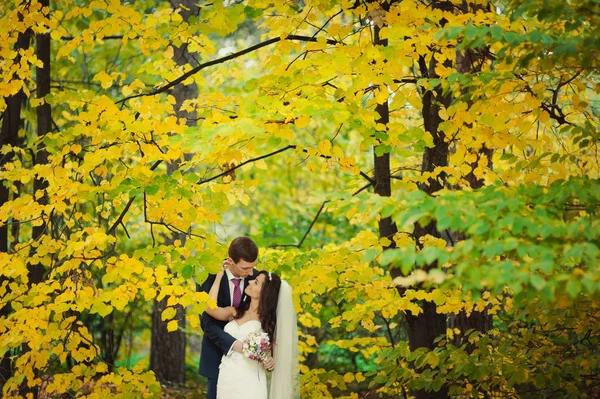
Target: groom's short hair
{"x": 243, "y": 248}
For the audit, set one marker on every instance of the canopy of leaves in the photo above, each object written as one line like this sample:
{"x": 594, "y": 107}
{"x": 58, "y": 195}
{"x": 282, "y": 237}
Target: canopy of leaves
{"x": 279, "y": 145}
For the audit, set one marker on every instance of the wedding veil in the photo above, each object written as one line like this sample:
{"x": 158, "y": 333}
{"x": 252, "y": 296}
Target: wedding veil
{"x": 285, "y": 381}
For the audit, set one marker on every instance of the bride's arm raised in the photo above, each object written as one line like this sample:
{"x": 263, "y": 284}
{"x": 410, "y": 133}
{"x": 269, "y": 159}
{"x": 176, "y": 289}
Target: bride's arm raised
{"x": 226, "y": 313}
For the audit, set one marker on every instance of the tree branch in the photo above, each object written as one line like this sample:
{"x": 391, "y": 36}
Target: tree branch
{"x": 327, "y": 22}
{"x": 124, "y": 211}
{"x": 371, "y": 181}
{"x": 553, "y": 110}
{"x": 228, "y": 171}
{"x": 121, "y": 216}
{"x": 110, "y": 37}
{"x": 225, "y": 59}
{"x": 314, "y": 221}
{"x": 291, "y": 146}
{"x": 307, "y": 231}
{"x": 406, "y": 80}
{"x": 360, "y": 190}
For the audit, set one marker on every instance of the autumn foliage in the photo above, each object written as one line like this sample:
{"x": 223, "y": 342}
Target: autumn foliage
{"x": 424, "y": 173}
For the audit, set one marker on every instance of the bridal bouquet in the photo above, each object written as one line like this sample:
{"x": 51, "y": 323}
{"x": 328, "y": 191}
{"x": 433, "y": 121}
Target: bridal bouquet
{"x": 256, "y": 346}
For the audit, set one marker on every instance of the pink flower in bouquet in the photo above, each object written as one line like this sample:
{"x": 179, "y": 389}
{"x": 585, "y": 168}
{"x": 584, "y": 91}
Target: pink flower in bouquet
{"x": 256, "y": 346}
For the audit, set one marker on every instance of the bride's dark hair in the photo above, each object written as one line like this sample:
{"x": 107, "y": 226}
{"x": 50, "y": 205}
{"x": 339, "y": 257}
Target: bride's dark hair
{"x": 267, "y": 304}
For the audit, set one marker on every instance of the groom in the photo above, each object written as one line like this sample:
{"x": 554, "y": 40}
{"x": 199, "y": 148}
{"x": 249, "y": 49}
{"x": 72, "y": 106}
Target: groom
{"x": 243, "y": 253}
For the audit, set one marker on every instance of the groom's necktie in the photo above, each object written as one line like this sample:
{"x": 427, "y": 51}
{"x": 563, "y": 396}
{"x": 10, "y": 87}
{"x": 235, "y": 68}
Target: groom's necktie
{"x": 237, "y": 293}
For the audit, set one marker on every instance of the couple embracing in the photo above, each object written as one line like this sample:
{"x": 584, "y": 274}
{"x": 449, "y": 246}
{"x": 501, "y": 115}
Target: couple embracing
{"x": 254, "y": 319}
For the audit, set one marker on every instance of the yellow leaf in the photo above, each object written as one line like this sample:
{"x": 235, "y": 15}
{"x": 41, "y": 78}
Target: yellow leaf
{"x": 311, "y": 151}
{"x": 119, "y": 302}
{"x": 443, "y": 114}
{"x": 126, "y": 90}
{"x": 348, "y": 377}
{"x": 381, "y": 96}
{"x": 172, "y": 326}
{"x": 261, "y": 164}
{"x": 337, "y": 152}
{"x": 325, "y": 147}
{"x": 105, "y": 79}
{"x": 385, "y": 242}
{"x": 433, "y": 359}
{"x": 101, "y": 368}
{"x": 168, "y": 313}
{"x": 35, "y": 102}
{"x": 149, "y": 293}
{"x": 302, "y": 121}
{"x": 168, "y": 53}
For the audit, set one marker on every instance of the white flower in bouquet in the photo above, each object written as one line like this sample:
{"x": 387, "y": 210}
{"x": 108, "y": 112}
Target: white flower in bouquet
{"x": 256, "y": 346}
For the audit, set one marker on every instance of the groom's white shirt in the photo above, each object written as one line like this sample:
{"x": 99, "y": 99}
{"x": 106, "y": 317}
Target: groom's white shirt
{"x": 230, "y": 278}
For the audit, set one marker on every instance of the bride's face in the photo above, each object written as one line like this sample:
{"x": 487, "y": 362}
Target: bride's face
{"x": 254, "y": 287}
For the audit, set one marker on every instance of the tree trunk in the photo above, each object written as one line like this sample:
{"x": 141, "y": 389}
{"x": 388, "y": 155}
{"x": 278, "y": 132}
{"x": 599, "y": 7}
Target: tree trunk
{"x": 382, "y": 176}
{"x": 9, "y": 135}
{"x": 42, "y": 77}
{"x": 107, "y": 340}
{"x": 471, "y": 61}
{"x": 381, "y": 164}
{"x": 44, "y": 125}
{"x": 424, "y": 328}
{"x": 167, "y": 351}
{"x": 428, "y": 325}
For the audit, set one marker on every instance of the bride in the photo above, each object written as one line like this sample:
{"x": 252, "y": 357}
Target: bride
{"x": 268, "y": 308}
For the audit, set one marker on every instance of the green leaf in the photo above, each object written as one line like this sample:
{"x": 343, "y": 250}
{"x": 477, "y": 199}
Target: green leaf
{"x": 252, "y": 12}
{"x": 371, "y": 254}
{"x": 573, "y": 288}
{"x": 251, "y": 85}
{"x": 390, "y": 256}
{"x": 537, "y": 281}
{"x": 187, "y": 271}
{"x": 382, "y": 149}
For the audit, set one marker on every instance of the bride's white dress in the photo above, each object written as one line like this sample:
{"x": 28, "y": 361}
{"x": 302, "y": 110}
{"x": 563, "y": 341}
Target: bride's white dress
{"x": 240, "y": 377}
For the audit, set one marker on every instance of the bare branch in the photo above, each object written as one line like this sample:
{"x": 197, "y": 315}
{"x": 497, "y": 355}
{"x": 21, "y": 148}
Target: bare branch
{"x": 327, "y": 22}
{"x": 406, "y": 80}
{"x": 363, "y": 188}
{"x": 121, "y": 216}
{"x": 553, "y": 110}
{"x": 222, "y": 60}
{"x": 371, "y": 181}
{"x": 228, "y": 171}
{"x": 124, "y": 211}
{"x": 314, "y": 221}
{"x": 307, "y": 231}
{"x": 109, "y": 37}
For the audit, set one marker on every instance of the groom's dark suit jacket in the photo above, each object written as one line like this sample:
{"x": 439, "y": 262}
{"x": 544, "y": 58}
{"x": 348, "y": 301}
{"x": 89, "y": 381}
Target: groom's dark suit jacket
{"x": 216, "y": 342}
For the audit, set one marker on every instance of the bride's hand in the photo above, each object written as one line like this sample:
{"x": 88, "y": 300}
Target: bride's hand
{"x": 227, "y": 263}
{"x": 233, "y": 312}
{"x": 224, "y": 266}
{"x": 269, "y": 363}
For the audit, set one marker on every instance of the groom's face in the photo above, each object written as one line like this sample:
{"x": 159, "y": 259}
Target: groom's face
{"x": 242, "y": 269}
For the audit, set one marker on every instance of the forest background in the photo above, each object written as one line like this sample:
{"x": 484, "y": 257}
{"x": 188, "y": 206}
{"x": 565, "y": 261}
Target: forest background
{"x": 424, "y": 173}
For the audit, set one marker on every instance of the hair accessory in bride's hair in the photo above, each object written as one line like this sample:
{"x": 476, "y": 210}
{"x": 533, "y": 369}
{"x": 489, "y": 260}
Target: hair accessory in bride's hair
{"x": 270, "y": 278}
